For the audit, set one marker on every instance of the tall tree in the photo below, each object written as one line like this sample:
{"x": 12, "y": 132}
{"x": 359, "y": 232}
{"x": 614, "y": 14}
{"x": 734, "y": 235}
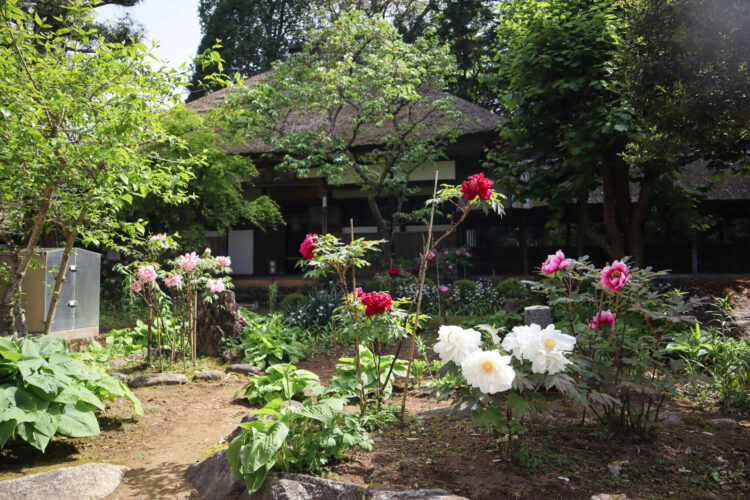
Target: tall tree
{"x": 253, "y": 34}
{"x": 356, "y": 103}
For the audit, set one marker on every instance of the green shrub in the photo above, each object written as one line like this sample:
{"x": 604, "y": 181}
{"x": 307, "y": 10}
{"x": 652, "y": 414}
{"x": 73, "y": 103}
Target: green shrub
{"x": 283, "y": 381}
{"x": 347, "y": 381}
{"x": 268, "y": 340}
{"x": 464, "y": 287}
{"x": 378, "y": 284}
{"x": 293, "y": 301}
{"x": 44, "y": 391}
{"x": 511, "y": 289}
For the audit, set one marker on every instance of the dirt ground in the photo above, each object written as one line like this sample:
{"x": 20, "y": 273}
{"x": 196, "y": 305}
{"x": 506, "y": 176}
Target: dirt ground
{"x": 563, "y": 459}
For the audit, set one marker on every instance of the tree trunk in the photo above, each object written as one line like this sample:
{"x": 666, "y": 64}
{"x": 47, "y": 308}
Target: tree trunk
{"x": 217, "y": 321}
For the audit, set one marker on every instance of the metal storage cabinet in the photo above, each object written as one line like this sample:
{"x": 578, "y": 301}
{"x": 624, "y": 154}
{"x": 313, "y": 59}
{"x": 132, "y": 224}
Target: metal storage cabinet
{"x": 77, "y": 314}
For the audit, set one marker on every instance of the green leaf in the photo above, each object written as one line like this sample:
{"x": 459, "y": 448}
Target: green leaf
{"x": 78, "y": 421}
{"x": 7, "y": 429}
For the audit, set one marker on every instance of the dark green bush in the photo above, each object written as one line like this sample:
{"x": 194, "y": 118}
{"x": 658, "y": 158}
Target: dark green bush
{"x": 511, "y": 289}
{"x": 378, "y": 284}
{"x": 293, "y": 301}
{"x": 464, "y": 287}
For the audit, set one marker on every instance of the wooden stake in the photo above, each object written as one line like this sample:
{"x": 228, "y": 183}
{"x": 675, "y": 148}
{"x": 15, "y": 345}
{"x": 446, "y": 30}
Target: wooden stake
{"x": 356, "y": 339}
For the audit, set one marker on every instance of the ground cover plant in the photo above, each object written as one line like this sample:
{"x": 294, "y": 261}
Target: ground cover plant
{"x": 46, "y": 392}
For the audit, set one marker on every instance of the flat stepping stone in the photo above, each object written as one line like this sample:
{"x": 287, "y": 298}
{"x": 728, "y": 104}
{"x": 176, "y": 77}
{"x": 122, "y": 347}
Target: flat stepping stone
{"x": 397, "y": 493}
{"x": 136, "y": 355}
{"x": 671, "y": 419}
{"x": 119, "y": 376}
{"x": 243, "y": 368}
{"x": 446, "y": 412}
{"x": 725, "y": 422}
{"x": 117, "y": 363}
{"x": 149, "y": 379}
{"x": 84, "y": 482}
{"x": 210, "y": 375}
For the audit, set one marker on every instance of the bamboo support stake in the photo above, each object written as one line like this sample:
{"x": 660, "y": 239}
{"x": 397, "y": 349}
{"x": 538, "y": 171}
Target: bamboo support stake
{"x": 422, "y": 273}
{"x": 356, "y": 339}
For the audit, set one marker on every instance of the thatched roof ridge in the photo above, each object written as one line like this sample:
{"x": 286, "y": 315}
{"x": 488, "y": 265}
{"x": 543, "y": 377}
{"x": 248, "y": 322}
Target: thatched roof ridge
{"x": 477, "y": 119}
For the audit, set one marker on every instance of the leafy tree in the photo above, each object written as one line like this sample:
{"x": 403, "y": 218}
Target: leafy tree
{"x": 217, "y": 184}
{"x": 253, "y": 34}
{"x": 367, "y": 104}
{"x": 74, "y": 138}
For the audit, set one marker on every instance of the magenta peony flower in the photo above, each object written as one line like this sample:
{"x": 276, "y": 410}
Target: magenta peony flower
{"x": 136, "y": 286}
{"x": 477, "y": 185}
{"x": 215, "y": 286}
{"x": 555, "y": 263}
{"x": 431, "y": 255}
{"x": 188, "y": 261}
{"x": 450, "y": 267}
{"x": 415, "y": 269}
{"x": 158, "y": 237}
{"x": 376, "y": 302}
{"x": 173, "y": 280}
{"x": 307, "y": 247}
{"x": 355, "y": 294}
{"x": 467, "y": 254}
{"x": 146, "y": 274}
{"x": 393, "y": 272}
{"x": 445, "y": 253}
{"x": 615, "y": 276}
{"x": 458, "y": 252}
{"x": 603, "y": 318}
{"x": 444, "y": 289}
{"x": 224, "y": 261}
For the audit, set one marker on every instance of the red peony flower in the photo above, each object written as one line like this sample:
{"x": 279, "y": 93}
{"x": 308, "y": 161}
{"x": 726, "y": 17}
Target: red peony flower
{"x": 376, "y": 302}
{"x": 393, "y": 272}
{"x": 308, "y": 246}
{"x": 415, "y": 269}
{"x": 477, "y": 185}
{"x": 603, "y": 318}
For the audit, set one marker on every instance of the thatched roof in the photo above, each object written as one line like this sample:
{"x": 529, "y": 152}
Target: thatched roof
{"x": 477, "y": 119}
{"x": 697, "y": 176}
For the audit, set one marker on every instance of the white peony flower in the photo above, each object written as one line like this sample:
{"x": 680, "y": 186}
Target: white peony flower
{"x": 518, "y": 340}
{"x": 488, "y": 371}
{"x": 455, "y": 343}
{"x": 548, "y": 349}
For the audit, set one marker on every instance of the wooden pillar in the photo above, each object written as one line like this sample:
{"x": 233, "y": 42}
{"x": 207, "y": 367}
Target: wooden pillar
{"x": 523, "y": 242}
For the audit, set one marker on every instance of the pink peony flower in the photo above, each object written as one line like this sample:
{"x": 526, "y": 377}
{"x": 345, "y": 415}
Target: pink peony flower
{"x": 136, "y": 286}
{"x": 173, "y": 280}
{"x": 355, "y": 294}
{"x": 431, "y": 255}
{"x": 307, "y": 247}
{"x": 146, "y": 274}
{"x": 615, "y": 276}
{"x": 376, "y": 302}
{"x": 445, "y": 253}
{"x": 477, "y": 185}
{"x": 450, "y": 267}
{"x": 467, "y": 254}
{"x": 555, "y": 263}
{"x": 224, "y": 261}
{"x": 188, "y": 261}
{"x": 207, "y": 251}
{"x": 215, "y": 286}
{"x": 444, "y": 289}
{"x": 157, "y": 237}
{"x": 603, "y": 318}
{"x": 458, "y": 252}
{"x": 393, "y": 272}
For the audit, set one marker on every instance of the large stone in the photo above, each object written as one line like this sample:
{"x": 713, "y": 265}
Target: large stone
{"x": 119, "y": 376}
{"x": 395, "y": 493}
{"x": 213, "y": 479}
{"x": 232, "y": 355}
{"x": 300, "y": 487}
{"x": 540, "y": 315}
{"x": 671, "y": 419}
{"x": 217, "y": 320}
{"x": 210, "y": 375}
{"x": 447, "y": 411}
{"x": 149, "y": 379}
{"x": 243, "y": 368}
{"x": 117, "y": 362}
{"x": 84, "y": 482}
{"x": 725, "y": 422}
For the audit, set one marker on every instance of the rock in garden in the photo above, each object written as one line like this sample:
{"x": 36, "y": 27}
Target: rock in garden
{"x": 213, "y": 479}
{"x": 136, "y": 355}
{"x": 671, "y": 419}
{"x": 217, "y": 320}
{"x": 244, "y": 369}
{"x": 88, "y": 481}
{"x": 447, "y": 411}
{"x": 395, "y": 493}
{"x": 233, "y": 355}
{"x": 210, "y": 375}
{"x": 606, "y": 496}
{"x": 300, "y": 487}
{"x": 149, "y": 379}
{"x": 119, "y": 376}
{"x": 725, "y": 422}
{"x": 117, "y": 363}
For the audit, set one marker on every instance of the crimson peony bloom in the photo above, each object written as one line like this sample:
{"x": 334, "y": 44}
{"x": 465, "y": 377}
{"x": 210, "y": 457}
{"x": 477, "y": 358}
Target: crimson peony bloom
{"x": 376, "y": 302}
{"x": 393, "y": 272}
{"x": 603, "y": 318}
{"x": 477, "y": 185}
{"x": 415, "y": 269}
{"x": 555, "y": 262}
{"x": 308, "y": 246}
{"x": 615, "y": 276}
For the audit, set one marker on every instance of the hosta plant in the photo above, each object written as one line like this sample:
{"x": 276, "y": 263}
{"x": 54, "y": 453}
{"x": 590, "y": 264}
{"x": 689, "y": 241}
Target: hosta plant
{"x": 44, "y": 391}
{"x": 294, "y": 439}
{"x": 377, "y": 374}
{"x": 269, "y": 341}
{"x": 283, "y": 381}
